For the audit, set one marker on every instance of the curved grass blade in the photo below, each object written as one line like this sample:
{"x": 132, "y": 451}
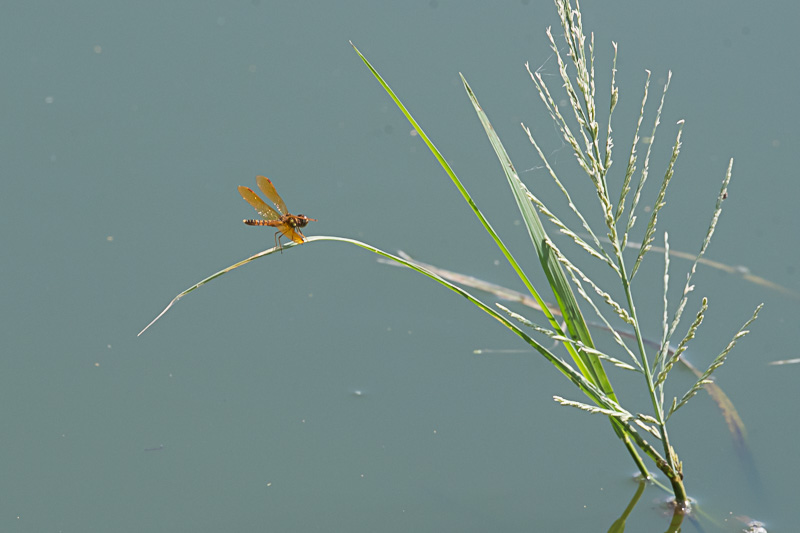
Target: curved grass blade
{"x": 588, "y": 388}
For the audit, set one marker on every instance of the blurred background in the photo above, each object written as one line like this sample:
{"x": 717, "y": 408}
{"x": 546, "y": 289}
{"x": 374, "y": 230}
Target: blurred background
{"x": 318, "y": 389}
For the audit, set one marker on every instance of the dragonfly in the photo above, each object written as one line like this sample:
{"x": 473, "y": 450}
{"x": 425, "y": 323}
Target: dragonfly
{"x": 288, "y": 225}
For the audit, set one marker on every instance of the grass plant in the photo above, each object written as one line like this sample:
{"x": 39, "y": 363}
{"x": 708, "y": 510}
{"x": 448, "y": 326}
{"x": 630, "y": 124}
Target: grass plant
{"x": 642, "y": 431}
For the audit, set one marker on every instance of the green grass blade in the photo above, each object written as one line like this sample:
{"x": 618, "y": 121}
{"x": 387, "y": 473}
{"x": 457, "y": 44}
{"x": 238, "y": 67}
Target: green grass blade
{"x": 589, "y": 366}
{"x": 583, "y": 363}
{"x": 562, "y": 290}
{"x": 601, "y": 399}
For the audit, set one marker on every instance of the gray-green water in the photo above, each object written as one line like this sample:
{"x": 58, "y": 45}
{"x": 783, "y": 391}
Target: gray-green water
{"x": 127, "y": 127}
